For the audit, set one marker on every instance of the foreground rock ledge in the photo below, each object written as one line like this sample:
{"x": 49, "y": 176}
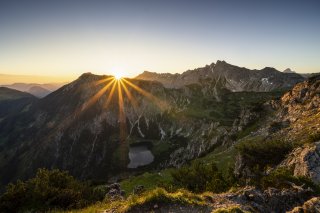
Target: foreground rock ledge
{"x": 305, "y": 161}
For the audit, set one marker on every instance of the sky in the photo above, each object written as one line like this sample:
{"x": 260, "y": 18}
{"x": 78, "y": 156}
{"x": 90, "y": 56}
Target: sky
{"x": 65, "y": 38}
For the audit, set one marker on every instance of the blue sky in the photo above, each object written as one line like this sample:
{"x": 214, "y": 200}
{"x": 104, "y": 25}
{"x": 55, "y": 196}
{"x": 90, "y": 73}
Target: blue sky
{"x": 68, "y": 38}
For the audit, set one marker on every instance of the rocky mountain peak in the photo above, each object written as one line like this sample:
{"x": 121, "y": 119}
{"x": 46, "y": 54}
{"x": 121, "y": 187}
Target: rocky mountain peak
{"x": 272, "y": 69}
{"x": 288, "y": 70}
{"x": 221, "y": 63}
{"x": 223, "y": 66}
{"x": 88, "y": 76}
{"x": 148, "y": 73}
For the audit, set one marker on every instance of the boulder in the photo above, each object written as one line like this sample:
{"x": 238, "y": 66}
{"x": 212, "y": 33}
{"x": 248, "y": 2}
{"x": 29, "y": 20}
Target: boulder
{"x": 305, "y": 161}
{"x": 138, "y": 189}
{"x": 310, "y": 206}
{"x": 271, "y": 199}
{"x": 115, "y": 192}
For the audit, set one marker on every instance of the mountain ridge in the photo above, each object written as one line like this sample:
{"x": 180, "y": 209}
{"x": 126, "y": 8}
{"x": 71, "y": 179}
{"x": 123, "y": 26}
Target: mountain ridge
{"x": 233, "y": 77}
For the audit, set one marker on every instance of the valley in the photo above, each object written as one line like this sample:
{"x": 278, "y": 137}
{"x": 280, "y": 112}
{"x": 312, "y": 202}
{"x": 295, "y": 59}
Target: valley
{"x": 143, "y": 133}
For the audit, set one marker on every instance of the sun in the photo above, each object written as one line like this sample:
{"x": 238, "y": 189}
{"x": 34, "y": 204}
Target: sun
{"x": 118, "y": 71}
{"x": 118, "y": 76}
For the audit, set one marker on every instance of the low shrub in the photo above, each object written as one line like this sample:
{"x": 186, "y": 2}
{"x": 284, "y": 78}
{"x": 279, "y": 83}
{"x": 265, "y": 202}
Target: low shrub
{"x": 200, "y": 177}
{"x": 314, "y": 137}
{"x": 48, "y": 190}
{"x": 283, "y": 178}
{"x": 259, "y": 154}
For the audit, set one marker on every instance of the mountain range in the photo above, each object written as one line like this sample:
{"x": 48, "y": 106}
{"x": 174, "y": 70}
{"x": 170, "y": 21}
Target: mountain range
{"x": 105, "y": 130}
{"x": 38, "y": 90}
{"x": 233, "y": 78}
{"x": 72, "y": 129}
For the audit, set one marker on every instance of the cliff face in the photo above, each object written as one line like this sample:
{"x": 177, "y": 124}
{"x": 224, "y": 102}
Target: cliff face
{"x": 299, "y": 107}
{"x": 302, "y": 100}
{"x": 294, "y": 119}
{"x": 305, "y": 161}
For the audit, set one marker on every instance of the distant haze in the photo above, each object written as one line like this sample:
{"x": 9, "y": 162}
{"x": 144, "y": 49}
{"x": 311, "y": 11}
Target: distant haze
{"x": 11, "y": 79}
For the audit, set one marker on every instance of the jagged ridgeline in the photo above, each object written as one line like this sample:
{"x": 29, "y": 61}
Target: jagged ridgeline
{"x": 95, "y": 127}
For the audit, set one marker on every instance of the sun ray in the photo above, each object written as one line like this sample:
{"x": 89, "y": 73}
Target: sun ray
{"x": 130, "y": 97}
{"x": 121, "y": 106}
{"x": 122, "y": 125}
{"x": 68, "y": 119}
{"x": 161, "y": 104}
{"x": 111, "y": 93}
{"x": 105, "y": 80}
{"x": 95, "y": 98}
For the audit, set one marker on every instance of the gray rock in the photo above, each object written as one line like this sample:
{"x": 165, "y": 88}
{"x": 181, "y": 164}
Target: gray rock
{"x": 115, "y": 192}
{"x": 310, "y": 206}
{"x": 138, "y": 189}
{"x": 305, "y": 161}
{"x": 224, "y": 75}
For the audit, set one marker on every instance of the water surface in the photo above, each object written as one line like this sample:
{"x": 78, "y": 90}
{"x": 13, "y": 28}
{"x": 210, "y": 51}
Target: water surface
{"x": 139, "y": 156}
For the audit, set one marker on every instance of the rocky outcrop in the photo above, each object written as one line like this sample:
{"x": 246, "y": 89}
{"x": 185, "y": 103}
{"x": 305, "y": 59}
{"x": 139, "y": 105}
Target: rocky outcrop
{"x": 302, "y": 100}
{"x": 207, "y": 136}
{"x": 247, "y": 199}
{"x": 310, "y": 206}
{"x": 241, "y": 169}
{"x": 114, "y": 192}
{"x": 305, "y": 161}
{"x": 297, "y": 112}
{"x": 254, "y": 200}
{"x": 138, "y": 189}
{"x": 288, "y": 70}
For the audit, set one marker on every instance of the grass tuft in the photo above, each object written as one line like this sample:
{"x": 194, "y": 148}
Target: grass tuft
{"x": 147, "y": 199}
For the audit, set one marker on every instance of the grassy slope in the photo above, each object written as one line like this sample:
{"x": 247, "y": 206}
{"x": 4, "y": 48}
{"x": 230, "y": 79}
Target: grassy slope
{"x": 143, "y": 201}
{"x": 226, "y": 110}
{"x": 148, "y": 180}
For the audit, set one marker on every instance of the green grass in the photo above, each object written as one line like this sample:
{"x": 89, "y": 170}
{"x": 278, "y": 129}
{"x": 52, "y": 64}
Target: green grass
{"x": 155, "y": 196}
{"x": 148, "y": 180}
{"x": 223, "y": 158}
{"x": 314, "y": 137}
{"x": 250, "y": 128}
{"x": 161, "y": 147}
{"x": 226, "y": 110}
